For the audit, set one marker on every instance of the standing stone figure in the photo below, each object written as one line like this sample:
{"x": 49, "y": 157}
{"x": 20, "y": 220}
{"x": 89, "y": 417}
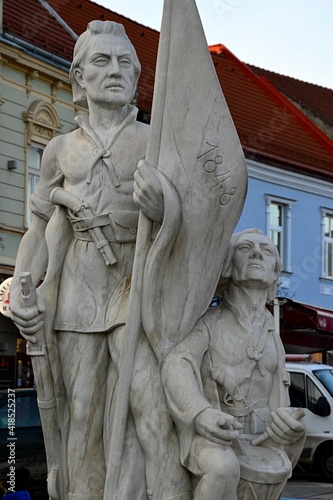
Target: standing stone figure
{"x": 83, "y": 237}
{"x": 227, "y": 385}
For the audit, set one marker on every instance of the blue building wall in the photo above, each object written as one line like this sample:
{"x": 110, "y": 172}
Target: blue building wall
{"x": 305, "y": 282}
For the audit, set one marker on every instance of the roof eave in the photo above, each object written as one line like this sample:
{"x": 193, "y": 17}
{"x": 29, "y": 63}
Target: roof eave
{"x": 35, "y": 51}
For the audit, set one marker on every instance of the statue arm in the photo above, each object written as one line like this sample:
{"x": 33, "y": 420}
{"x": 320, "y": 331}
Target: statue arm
{"x": 287, "y": 427}
{"x": 183, "y": 384}
{"x": 33, "y": 253}
{"x": 183, "y": 387}
{"x": 182, "y": 378}
{"x": 280, "y": 394}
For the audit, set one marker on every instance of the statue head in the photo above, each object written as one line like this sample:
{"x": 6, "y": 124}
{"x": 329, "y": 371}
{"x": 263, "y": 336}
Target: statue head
{"x": 252, "y": 259}
{"x": 116, "y": 34}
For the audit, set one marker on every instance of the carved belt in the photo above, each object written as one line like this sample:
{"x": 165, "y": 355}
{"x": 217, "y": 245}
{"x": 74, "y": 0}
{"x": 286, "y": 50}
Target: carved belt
{"x": 118, "y": 227}
{"x": 90, "y": 222}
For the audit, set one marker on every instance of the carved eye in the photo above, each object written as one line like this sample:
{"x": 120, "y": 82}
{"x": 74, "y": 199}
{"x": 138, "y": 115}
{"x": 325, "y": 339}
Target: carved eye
{"x": 100, "y": 61}
{"x": 244, "y": 248}
{"x": 125, "y": 62}
{"x": 268, "y": 250}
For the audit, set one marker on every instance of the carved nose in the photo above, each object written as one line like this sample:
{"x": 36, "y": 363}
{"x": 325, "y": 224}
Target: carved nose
{"x": 113, "y": 67}
{"x": 256, "y": 252}
{"x": 257, "y": 255}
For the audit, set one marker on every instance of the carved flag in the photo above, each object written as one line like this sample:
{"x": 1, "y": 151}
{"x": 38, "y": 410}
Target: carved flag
{"x": 195, "y": 147}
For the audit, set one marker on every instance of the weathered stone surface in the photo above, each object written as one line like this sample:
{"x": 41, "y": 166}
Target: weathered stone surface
{"x": 227, "y": 385}
{"x": 131, "y": 227}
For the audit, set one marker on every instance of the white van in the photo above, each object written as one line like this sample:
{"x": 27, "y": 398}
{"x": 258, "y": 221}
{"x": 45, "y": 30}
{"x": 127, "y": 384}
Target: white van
{"x": 312, "y": 389}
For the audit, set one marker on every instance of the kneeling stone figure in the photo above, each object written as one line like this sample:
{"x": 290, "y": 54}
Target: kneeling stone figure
{"x": 227, "y": 386}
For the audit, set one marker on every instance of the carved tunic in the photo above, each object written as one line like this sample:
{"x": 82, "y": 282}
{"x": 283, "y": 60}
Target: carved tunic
{"x": 218, "y": 366}
{"x": 94, "y": 296}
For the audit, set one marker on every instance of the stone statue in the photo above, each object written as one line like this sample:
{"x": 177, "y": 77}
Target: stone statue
{"x": 83, "y": 236}
{"x": 137, "y": 394}
{"x": 126, "y": 276}
{"x": 227, "y": 386}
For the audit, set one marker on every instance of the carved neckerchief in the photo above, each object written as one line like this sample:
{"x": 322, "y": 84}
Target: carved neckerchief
{"x": 254, "y": 353}
{"x": 104, "y": 152}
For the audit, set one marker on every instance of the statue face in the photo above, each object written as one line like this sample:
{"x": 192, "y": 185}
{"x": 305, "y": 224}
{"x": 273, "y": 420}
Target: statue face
{"x": 254, "y": 261}
{"x": 107, "y": 72}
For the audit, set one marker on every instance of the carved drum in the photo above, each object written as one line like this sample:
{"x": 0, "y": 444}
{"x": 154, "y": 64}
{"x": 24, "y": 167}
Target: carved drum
{"x": 263, "y": 472}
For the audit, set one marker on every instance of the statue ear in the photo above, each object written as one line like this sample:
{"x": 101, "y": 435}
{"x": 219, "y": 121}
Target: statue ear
{"x": 78, "y": 75}
{"x": 78, "y": 86}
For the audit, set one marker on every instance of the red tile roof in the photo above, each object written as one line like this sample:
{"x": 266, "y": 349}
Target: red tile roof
{"x": 319, "y": 100}
{"x": 267, "y": 122}
{"x": 270, "y": 127}
{"x": 28, "y": 20}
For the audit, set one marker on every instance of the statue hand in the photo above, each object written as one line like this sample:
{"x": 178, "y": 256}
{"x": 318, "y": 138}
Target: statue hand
{"x": 285, "y": 428}
{"x": 217, "y": 426}
{"x": 29, "y": 320}
{"x": 148, "y": 193}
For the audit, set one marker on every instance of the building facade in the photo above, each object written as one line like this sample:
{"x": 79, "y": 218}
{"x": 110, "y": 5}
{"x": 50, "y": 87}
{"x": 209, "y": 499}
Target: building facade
{"x": 288, "y": 146}
{"x": 35, "y": 105}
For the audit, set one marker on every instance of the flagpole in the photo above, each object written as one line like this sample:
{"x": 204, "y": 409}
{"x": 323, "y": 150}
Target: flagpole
{"x": 133, "y": 323}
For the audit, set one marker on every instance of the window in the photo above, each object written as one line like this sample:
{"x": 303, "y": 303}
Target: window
{"x": 304, "y": 393}
{"x": 278, "y": 227}
{"x": 327, "y": 245}
{"x": 326, "y": 378}
{"x": 314, "y": 395}
{"x": 26, "y": 411}
{"x": 42, "y": 124}
{"x": 34, "y": 164}
{"x": 297, "y": 390}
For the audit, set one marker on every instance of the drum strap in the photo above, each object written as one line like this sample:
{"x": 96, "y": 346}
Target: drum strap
{"x": 236, "y": 411}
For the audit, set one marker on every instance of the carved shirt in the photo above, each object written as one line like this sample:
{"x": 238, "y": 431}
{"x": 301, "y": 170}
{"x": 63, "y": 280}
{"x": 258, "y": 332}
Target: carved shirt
{"x": 214, "y": 367}
{"x": 92, "y": 297}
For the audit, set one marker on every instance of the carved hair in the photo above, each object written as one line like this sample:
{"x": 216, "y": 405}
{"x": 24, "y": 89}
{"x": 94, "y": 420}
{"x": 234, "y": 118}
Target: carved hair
{"x": 96, "y": 28}
{"x": 228, "y": 263}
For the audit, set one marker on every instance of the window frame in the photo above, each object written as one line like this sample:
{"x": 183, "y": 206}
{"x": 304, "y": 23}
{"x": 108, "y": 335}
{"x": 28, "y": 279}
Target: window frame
{"x": 325, "y": 212}
{"x": 312, "y": 392}
{"x": 33, "y": 175}
{"x": 284, "y": 229}
{"x": 42, "y": 124}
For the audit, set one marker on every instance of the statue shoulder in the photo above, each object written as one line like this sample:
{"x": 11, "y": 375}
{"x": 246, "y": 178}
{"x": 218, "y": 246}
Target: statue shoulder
{"x": 214, "y": 313}
{"x": 63, "y": 140}
{"x": 212, "y": 316}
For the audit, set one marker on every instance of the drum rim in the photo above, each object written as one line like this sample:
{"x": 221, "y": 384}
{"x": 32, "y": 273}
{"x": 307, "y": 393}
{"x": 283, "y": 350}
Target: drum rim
{"x": 264, "y": 476}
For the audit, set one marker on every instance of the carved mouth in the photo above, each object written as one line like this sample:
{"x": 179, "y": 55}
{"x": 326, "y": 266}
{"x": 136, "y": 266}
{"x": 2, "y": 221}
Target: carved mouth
{"x": 114, "y": 86}
{"x": 256, "y": 266}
